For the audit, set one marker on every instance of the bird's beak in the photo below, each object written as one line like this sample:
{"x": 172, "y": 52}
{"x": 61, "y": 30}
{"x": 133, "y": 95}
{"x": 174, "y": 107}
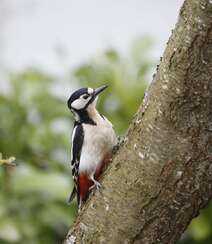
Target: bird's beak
{"x": 99, "y": 90}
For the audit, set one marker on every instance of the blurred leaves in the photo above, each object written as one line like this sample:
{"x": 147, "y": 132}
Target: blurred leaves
{"x": 200, "y": 229}
{"x": 33, "y": 197}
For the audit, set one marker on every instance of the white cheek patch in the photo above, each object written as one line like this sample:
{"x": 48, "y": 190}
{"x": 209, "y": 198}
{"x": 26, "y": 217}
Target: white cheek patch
{"x": 80, "y": 103}
{"x": 90, "y": 90}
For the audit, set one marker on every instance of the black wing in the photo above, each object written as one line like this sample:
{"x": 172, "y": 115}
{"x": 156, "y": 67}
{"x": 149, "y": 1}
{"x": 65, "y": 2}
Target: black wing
{"x": 77, "y": 142}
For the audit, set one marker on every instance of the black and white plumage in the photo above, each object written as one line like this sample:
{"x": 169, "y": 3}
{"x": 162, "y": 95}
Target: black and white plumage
{"x": 93, "y": 139}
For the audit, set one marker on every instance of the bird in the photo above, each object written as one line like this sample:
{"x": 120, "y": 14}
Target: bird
{"x": 93, "y": 140}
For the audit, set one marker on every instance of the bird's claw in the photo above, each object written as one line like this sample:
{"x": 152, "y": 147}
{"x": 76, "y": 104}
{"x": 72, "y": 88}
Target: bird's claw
{"x": 95, "y": 186}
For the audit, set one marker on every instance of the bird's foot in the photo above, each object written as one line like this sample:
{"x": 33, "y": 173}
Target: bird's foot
{"x": 120, "y": 141}
{"x": 115, "y": 149}
{"x": 96, "y": 185}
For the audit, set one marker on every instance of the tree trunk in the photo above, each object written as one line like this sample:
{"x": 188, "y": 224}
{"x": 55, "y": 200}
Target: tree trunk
{"x": 162, "y": 175}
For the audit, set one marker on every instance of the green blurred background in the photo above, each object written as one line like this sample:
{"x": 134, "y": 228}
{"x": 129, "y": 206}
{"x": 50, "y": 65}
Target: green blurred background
{"x": 35, "y": 127}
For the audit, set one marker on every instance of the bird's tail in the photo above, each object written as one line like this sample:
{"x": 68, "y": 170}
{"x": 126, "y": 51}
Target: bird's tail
{"x": 72, "y": 195}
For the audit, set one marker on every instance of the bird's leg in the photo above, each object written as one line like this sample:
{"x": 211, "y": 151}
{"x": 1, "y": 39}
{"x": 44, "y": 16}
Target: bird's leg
{"x": 96, "y": 184}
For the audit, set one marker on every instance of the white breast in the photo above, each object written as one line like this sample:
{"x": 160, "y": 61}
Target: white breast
{"x": 99, "y": 140}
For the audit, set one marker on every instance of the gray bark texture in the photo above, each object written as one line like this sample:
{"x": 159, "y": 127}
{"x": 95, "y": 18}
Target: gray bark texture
{"x": 161, "y": 176}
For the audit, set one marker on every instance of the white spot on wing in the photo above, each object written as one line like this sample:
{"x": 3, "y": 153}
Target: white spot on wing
{"x": 72, "y": 140}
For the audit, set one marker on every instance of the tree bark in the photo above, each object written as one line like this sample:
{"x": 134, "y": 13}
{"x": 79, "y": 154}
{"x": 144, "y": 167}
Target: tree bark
{"x": 162, "y": 175}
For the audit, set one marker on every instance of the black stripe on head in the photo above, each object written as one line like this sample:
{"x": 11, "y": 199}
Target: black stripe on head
{"x": 76, "y": 95}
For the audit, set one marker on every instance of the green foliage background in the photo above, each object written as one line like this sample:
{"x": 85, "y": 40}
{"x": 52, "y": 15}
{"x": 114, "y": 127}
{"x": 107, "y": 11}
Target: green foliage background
{"x": 35, "y": 127}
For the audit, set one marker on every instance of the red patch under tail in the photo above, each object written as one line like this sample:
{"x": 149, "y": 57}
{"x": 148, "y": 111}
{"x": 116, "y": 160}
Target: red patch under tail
{"x": 85, "y": 183}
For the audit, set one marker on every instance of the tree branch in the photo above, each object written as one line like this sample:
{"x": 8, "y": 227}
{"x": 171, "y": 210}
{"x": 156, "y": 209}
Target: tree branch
{"x": 8, "y": 161}
{"x": 162, "y": 176}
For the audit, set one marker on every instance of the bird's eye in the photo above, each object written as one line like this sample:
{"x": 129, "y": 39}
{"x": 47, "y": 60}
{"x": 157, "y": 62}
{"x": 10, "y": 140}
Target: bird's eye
{"x": 85, "y": 96}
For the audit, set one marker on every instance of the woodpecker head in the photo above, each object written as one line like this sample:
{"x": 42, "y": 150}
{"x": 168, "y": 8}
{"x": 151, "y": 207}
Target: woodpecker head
{"x": 84, "y": 99}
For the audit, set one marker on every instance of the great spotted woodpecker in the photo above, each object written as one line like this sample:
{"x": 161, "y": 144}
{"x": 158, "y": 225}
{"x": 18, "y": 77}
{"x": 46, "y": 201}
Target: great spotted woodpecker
{"x": 93, "y": 139}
